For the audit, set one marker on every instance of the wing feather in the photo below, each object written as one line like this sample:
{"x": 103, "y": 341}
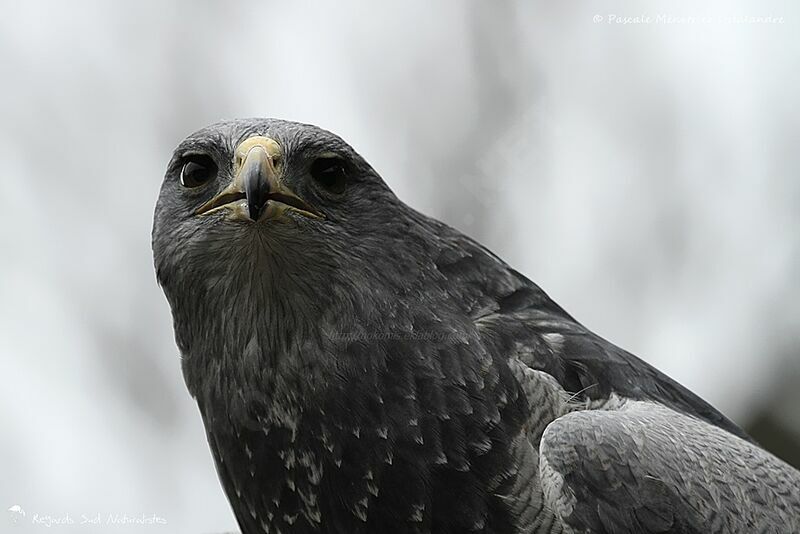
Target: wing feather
{"x": 646, "y": 468}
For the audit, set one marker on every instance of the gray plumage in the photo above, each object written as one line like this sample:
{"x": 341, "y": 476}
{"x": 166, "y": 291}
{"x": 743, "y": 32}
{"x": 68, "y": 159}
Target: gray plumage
{"x": 361, "y": 367}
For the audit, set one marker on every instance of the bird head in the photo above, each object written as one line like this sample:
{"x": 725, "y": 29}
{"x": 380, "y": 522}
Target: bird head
{"x": 266, "y": 195}
{"x": 262, "y": 174}
{"x": 275, "y": 226}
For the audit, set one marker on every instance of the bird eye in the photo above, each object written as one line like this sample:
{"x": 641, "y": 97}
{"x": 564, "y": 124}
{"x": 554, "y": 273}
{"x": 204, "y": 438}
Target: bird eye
{"x": 330, "y": 173}
{"x": 198, "y": 170}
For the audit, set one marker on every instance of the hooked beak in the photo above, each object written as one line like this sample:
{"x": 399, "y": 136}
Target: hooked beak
{"x": 257, "y": 182}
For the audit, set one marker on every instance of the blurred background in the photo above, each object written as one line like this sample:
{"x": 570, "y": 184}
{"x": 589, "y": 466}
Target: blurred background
{"x": 645, "y": 173}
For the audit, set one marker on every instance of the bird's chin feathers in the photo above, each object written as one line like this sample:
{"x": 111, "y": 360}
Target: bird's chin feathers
{"x": 251, "y": 305}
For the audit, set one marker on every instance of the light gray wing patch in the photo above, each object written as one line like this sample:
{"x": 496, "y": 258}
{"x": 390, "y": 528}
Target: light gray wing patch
{"x": 643, "y": 467}
{"x": 547, "y": 401}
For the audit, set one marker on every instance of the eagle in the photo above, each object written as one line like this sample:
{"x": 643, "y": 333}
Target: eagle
{"x": 360, "y": 367}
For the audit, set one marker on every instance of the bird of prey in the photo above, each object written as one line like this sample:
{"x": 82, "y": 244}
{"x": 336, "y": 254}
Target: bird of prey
{"x": 363, "y": 368}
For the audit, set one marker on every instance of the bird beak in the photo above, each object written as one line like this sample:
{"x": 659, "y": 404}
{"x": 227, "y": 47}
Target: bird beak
{"x": 257, "y": 181}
